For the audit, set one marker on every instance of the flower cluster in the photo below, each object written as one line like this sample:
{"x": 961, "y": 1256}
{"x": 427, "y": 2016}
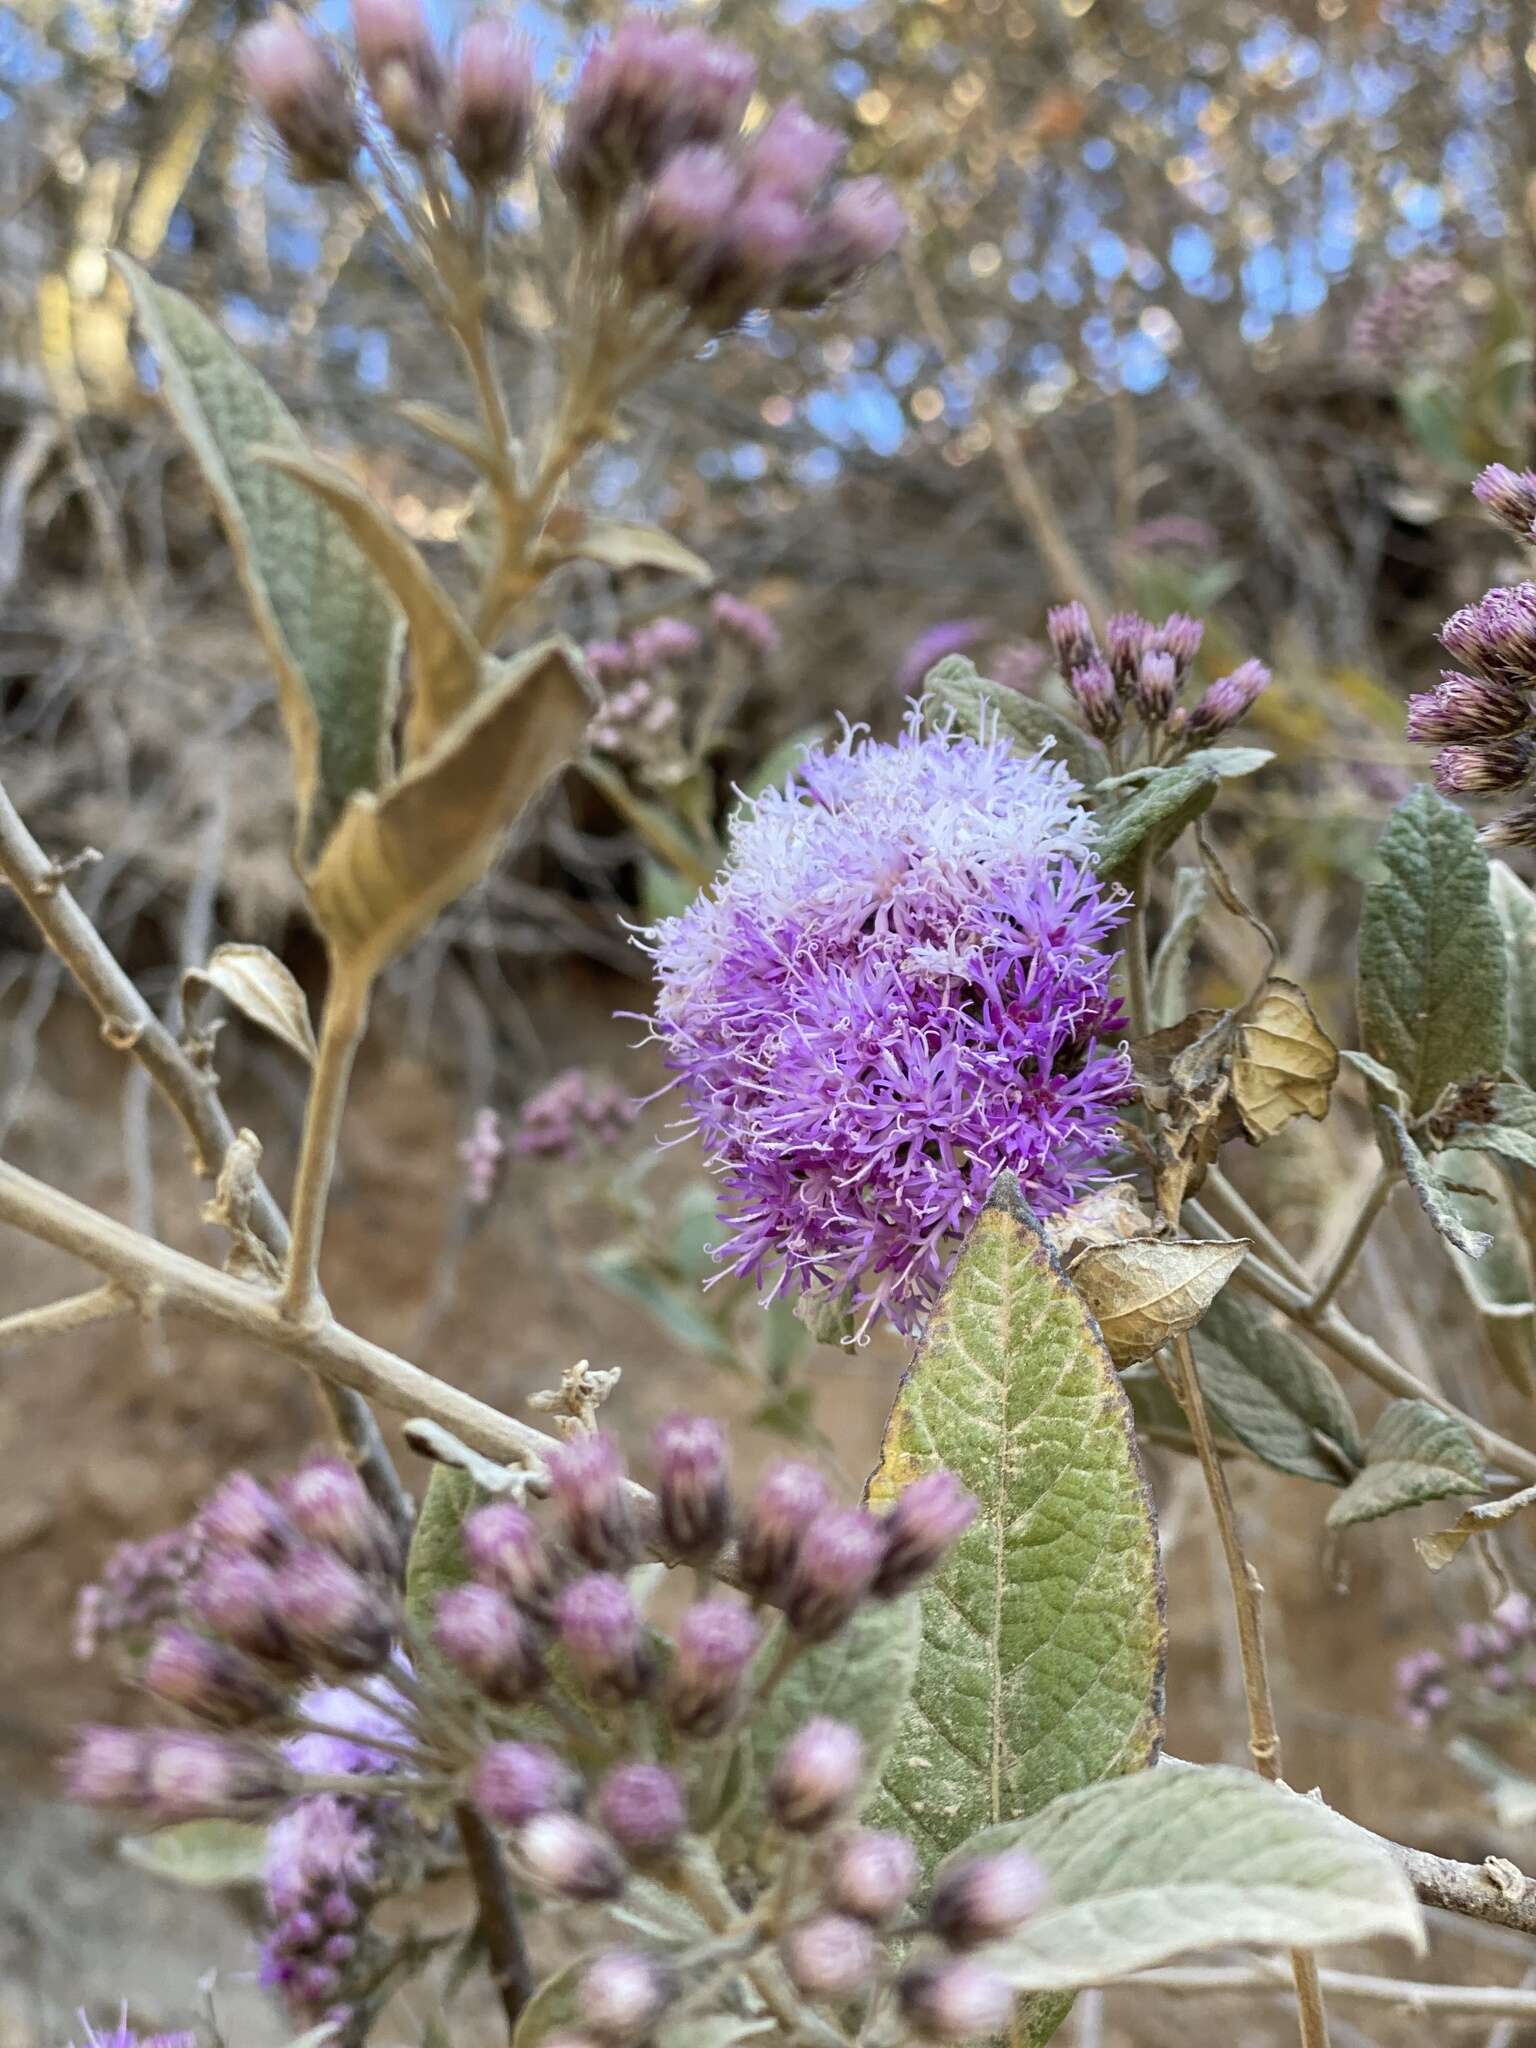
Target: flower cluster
{"x": 652, "y": 160}
{"x": 597, "y": 1748}
{"x": 1482, "y": 715}
{"x": 141, "y": 1585}
{"x": 1494, "y": 1660}
{"x": 649, "y": 675}
{"x": 572, "y": 1116}
{"x": 1142, "y": 669}
{"x": 896, "y": 991}
{"x": 123, "y": 2036}
{"x": 480, "y": 1155}
{"x": 1412, "y": 318}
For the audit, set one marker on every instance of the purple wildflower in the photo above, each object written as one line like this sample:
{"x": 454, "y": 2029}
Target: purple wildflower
{"x": 141, "y": 1584}
{"x": 481, "y": 1155}
{"x": 741, "y": 620}
{"x": 896, "y": 992}
{"x": 575, "y": 1113}
{"x": 122, "y": 2036}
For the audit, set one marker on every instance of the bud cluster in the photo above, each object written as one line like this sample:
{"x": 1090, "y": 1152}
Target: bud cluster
{"x": 1414, "y": 317}
{"x": 1482, "y": 715}
{"x": 1142, "y": 670}
{"x": 1493, "y": 1666}
{"x": 571, "y": 1117}
{"x": 651, "y": 677}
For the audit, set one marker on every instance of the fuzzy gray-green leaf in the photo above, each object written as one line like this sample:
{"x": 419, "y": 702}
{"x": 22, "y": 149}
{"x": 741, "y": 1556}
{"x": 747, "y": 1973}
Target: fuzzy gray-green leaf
{"x": 207, "y": 1854}
{"x": 1272, "y": 1395}
{"x": 1399, "y": 1147}
{"x": 1432, "y": 976}
{"x": 1415, "y": 1453}
{"x": 1043, "y": 1636}
{"x": 1149, "y": 821}
{"x": 1515, "y": 908}
{"x": 436, "y": 1559}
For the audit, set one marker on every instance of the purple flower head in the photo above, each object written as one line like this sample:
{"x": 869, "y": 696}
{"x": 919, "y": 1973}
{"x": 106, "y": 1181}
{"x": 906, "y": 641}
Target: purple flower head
{"x": 714, "y": 1641}
{"x": 1178, "y": 636}
{"x": 692, "y": 1487}
{"x": 872, "y": 1875}
{"x": 140, "y": 1584}
{"x": 330, "y": 1505}
{"x": 953, "y": 2000}
{"x": 1465, "y": 708}
{"x": 108, "y": 1767}
{"x": 1497, "y": 635}
{"x": 206, "y": 1777}
{"x": 982, "y": 1898}
{"x": 357, "y": 1718}
{"x": 570, "y": 1857}
{"x": 238, "y": 1598}
{"x": 950, "y": 636}
{"x": 816, "y": 1775}
{"x": 1126, "y": 636}
{"x": 299, "y": 86}
{"x": 1098, "y": 698}
{"x": 516, "y": 1781}
{"x": 621, "y": 1994}
{"x": 765, "y": 240}
{"x": 123, "y": 2036}
{"x": 788, "y": 1499}
{"x": 209, "y": 1679}
{"x": 830, "y": 1956}
{"x": 675, "y": 242}
{"x": 665, "y": 640}
{"x": 843, "y": 1551}
{"x": 1071, "y": 634}
{"x": 400, "y": 62}
{"x": 1157, "y": 684}
{"x": 641, "y": 1806}
{"x": 1422, "y": 1691}
{"x": 1517, "y": 827}
{"x": 744, "y": 621}
{"x": 576, "y": 1111}
{"x": 604, "y": 1637}
{"x": 587, "y": 1477}
{"x": 1510, "y": 495}
{"x": 481, "y": 1154}
{"x": 337, "y": 1617}
{"x": 896, "y": 991}
{"x": 320, "y": 1845}
{"x": 242, "y": 1515}
{"x": 1486, "y": 766}
{"x": 506, "y": 1550}
{"x": 491, "y": 102}
{"x": 861, "y": 222}
{"x": 1227, "y": 701}
{"x": 792, "y": 154}
{"x": 930, "y": 1515}
{"x": 484, "y": 1637}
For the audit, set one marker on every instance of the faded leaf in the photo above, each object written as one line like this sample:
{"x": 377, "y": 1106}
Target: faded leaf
{"x": 1043, "y": 1637}
{"x": 1515, "y": 908}
{"x": 1416, "y": 1453}
{"x": 1500, "y": 1285}
{"x": 436, "y": 1560}
{"x": 1381, "y": 1083}
{"x": 1432, "y": 978}
{"x": 1143, "y": 1869}
{"x": 260, "y": 987}
{"x": 1111, "y": 1214}
{"x": 445, "y": 655}
{"x": 953, "y": 685}
{"x": 1144, "y": 1294}
{"x": 618, "y": 544}
{"x": 331, "y": 632}
{"x": 1438, "y": 1548}
{"x": 1170, "y": 968}
{"x": 1285, "y": 1064}
{"x": 718, "y": 2030}
{"x": 453, "y": 432}
{"x": 1436, "y": 1199}
{"x": 204, "y": 1853}
{"x": 1271, "y": 1394}
{"x": 396, "y": 860}
{"x": 1150, "y": 820}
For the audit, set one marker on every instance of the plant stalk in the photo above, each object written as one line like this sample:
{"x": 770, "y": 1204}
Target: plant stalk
{"x": 1338, "y": 1270}
{"x": 500, "y": 1923}
{"x": 341, "y": 1031}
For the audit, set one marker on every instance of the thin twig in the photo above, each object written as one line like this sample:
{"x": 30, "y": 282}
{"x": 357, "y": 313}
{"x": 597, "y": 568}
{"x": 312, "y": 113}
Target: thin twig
{"x": 500, "y": 1924}
{"x": 58, "y": 1318}
{"x": 1473, "y": 2001}
{"x": 1344, "y": 1258}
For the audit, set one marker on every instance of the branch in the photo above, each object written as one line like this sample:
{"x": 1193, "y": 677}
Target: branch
{"x": 1339, "y": 1266}
{"x": 128, "y": 1024}
{"x": 500, "y": 1927}
{"x": 57, "y": 1318}
{"x": 1472, "y": 2000}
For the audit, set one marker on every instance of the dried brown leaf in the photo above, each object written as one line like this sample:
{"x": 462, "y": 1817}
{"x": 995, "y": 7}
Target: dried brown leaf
{"x": 1285, "y": 1064}
{"x": 1146, "y": 1292}
{"x": 261, "y": 988}
{"x": 1108, "y": 1215}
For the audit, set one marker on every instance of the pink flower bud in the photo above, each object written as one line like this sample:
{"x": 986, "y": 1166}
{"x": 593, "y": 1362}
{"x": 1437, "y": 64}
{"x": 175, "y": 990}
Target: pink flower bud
{"x": 506, "y": 1550}
{"x": 930, "y": 1516}
{"x": 665, "y": 640}
{"x": 1466, "y": 708}
{"x": 816, "y": 1775}
{"x": 831, "y": 1956}
{"x": 674, "y": 245}
{"x": 642, "y": 1807}
{"x": 1098, "y": 699}
{"x": 640, "y": 99}
{"x": 955, "y": 2000}
{"x": 334, "y": 1614}
{"x": 862, "y": 222}
{"x": 209, "y": 1679}
{"x": 1071, "y": 634}
{"x": 1486, "y": 766}
{"x": 108, "y": 1767}
{"x": 570, "y": 1857}
{"x": 983, "y": 1898}
{"x": 516, "y": 1781}
{"x": 1497, "y": 635}
{"x": 1178, "y": 636}
{"x": 872, "y": 1875}
{"x": 621, "y": 1995}
{"x": 330, "y": 1505}
{"x": 243, "y": 1516}
{"x": 790, "y": 1497}
{"x": 1125, "y": 641}
{"x": 692, "y": 1487}
{"x": 491, "y": 105}
{"x": 300, "y": 88}
{"x": 587, "y": 1478}
{"x": 483, "y": 1637}
{"x": 793, "y": 154}
{"x": 604, "y": 1637}
{"x": 402, "y": 67}
{"x": 239, "y": 1599}
{"x": 1510, "y": 495}
{"x": 766, "y": 239}
{"x": 202, "y": 1777}
{"x": 745, "y": 622}
{"x": 836, "y": 1566}
{"x": 1227, "y": 701}
{"x": 715, "y": 1642}
{"x": 1156, "y": 686}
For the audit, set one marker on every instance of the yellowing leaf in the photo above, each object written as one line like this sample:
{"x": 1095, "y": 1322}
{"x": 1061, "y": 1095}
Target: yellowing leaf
{"x": 395, "y": 860}
{"x": 1146, "y": 1292}
{"x": 1438, "y": 1548}
{"x": 618, "y": 544}
{"x": 260, "y": 987}
{"x": 1285, "y": 1064}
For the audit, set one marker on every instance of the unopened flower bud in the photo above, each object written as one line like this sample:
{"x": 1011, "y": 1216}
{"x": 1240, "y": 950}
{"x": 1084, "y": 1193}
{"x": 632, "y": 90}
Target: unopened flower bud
{"x": 793, "y": 154}
{"x": 692, "y": 1487}
{"x": 587, "y": 1477}
{"x": 831, "y": 1956}
{"x": 484, "y": 1638}
{"x": 604, "y": 1637}
{"x": 201, "y": 1777}
{"x": 763, "y": 244}
{"x": 983, "y": 1898}
{"x": 1486, "y": 766}
{"x": 930, "y": 1515}
{"x": 570, "y": 1857}
{"x": 872, "y": 1875}
{"x": 108, "y": 1767}
{"x": 816, "y": 1775}
{"x": 1466, "y": 708}
{"x": 656, "y": 644}
{"x": 1226, "y": 701}
{"x": 953, "y": 2000}
{"x": 402, "y": 67}
{"x": 516, "y": 1781}
{"x": 333, "y": 1613}
{"x": 243, "y": 1516}
{"x": 1516, "y": 827}
{"x": 1071, "y": 634}
{"x": 330, "y": 1505}
{"x": 300, "y": 88}
{"x": 1510, "y": 495}
{"x": 491, "y": 102}
{"x": 745, "y": 622}
{"x": 1125, "y": 641}
{"x": 1497, "y": 635}
{"x": 715, "y": 1641}
{"x": 861, "y": 222}
{"x": 1156, "y": 686}
{"x": 642, "y": 1807}
{"x": 622, "y": 1994}
{"x": 1179, "y": 636}
{"x": 836, "y": 1566}
{"x": 506, "y": 1550}
{"x": 789, "y": 1498}
{"x": 1094, "y": 688}
{"x": 239, "y": 1599}
{"x": 209, "y": 1679}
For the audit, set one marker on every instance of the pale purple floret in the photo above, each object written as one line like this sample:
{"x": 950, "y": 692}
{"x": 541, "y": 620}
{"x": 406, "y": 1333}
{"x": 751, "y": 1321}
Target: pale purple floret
{"x": 897, "y": 990}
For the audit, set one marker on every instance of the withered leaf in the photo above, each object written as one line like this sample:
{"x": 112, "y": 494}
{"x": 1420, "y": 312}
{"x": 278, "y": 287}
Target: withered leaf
{"x": 1441, "y": 1545}
{"x": 1146, "y": 1292}
{"x": 620, "y": 544}
{"x": 1111, "y": 1214}
{"x": 261, "y": 988}
{"x": 1285, "y": 1064}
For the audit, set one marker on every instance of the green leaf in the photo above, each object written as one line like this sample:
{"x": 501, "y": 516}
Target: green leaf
{"x": 955, "y": 685}
{"x": 552, "y": 2008}
{"x": 1414, "y": 1454}
{"x": 204, "y": 1853}
{"x": 1500, "y": 1285}
{"x": 1143, "y": 1869}
{"x": 1152, "y": 819}
{"x": 663, "y": 891}
{"x": 1041, "y": 1667}
{"x": 1170, "y": 969}
{"x": 1272, "y": 1395}
{"x": 1515, "y": 907}
{"x": 1230, "y": 762}
{"x": 1399, "y": 1147}
{"x": 436, "y": 1559}
{"x": 1431, "y": 996}
{"x": 330, "y": 629}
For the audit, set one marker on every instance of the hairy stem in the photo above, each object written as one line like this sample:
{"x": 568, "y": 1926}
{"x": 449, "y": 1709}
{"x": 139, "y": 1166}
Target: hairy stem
{"x": 500, "y": 1923}
{"x": 58, "y": 1318}
{"x": 341, "y": 1031}
{"x": 1138, "y": 983}
{"x": 1247, "y": 1599}
{"x": 702, "y": 1885}
{"x": 1343, "y": 1260}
